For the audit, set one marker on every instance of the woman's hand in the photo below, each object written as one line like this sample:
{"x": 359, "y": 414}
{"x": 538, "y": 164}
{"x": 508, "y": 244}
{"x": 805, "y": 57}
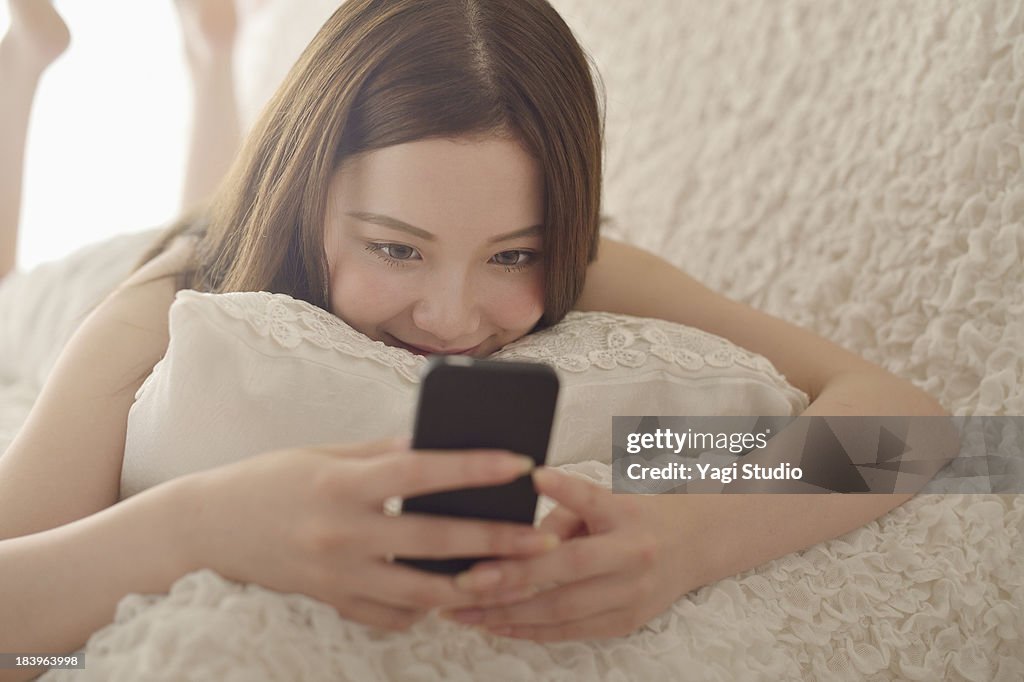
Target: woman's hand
{"x": 312, "y": 520}
{"x": 623, "y": 560}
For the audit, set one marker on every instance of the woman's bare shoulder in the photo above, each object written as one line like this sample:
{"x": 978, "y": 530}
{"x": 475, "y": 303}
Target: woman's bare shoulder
{"x": 144, "y": 298}
{"x": 164, "y": 265}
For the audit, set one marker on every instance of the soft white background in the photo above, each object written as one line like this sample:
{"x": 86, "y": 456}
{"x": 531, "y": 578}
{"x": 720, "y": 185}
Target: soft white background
{"x": 107, "y": 138}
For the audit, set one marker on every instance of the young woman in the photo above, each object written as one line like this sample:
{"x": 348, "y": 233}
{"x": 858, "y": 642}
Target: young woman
{"x": 429, "y": 172}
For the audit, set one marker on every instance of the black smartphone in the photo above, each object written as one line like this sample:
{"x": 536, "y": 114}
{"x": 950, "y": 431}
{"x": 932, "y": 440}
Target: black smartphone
{"x": 465, "y": 403}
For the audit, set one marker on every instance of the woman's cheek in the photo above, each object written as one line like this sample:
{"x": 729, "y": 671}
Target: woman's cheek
{"x": 520, "y": 306}
{"x": 362, "y": 293}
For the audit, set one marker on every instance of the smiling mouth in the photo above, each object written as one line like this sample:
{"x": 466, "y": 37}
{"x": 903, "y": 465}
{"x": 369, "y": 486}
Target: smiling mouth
{"x": 426, "y": 351}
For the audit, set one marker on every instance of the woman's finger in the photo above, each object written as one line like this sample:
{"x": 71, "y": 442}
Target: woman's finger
{"x": 563, "y": 523}
{"x": 383, "y": 616}
{"x": 589, "y": 501}
{"x": 574, "y": 560}
{"x": 583, "y": 602}
{"x": 612, "y": 623}
{"x": 408, "y": 589}
{"x": 409, "y": 473}
{"x": 429, "y": 536}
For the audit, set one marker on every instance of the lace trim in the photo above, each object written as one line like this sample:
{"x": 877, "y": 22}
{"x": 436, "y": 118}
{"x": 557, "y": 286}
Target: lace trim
{"x": 582, "y": 341}
{"x": 579, "y": 343}
{"x": 291, "y": 322}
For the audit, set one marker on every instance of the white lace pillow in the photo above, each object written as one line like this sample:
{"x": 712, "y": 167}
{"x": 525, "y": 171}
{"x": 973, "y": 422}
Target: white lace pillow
{"x": 250, "y": 372}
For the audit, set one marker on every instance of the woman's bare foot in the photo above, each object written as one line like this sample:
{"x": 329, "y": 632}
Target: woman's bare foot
{"x": 208, "y": 28}
{"x": 37, "y": 35}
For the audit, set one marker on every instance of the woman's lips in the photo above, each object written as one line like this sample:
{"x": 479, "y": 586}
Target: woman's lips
{"x": 427, "y": 351}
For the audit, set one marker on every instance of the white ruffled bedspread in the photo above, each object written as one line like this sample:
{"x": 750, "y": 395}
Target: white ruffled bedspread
{"x": 885, "y": 602}
{"x": 853, "y": 167}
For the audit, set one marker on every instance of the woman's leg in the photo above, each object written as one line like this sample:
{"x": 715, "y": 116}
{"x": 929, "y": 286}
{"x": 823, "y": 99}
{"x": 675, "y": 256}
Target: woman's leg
{"x": 209, "y": 28}
{"x": 37, "y": 36}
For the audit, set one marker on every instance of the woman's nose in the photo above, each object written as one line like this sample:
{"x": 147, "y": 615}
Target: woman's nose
{"x": 449, "y": 313}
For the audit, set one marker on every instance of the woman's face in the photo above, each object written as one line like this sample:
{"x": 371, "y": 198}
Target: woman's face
{"x": 435, "y": 245}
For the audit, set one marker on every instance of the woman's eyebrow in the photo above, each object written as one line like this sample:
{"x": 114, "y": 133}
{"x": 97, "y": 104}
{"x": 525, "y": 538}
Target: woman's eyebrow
{"x": 396, "y": 224}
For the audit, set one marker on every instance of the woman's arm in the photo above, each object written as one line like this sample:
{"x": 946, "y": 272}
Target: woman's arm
{"x": 744, "y": 531}
{"x": 628, "y": 280}
{"x": 59, "y": 586}
{"x": 737, "y": 532}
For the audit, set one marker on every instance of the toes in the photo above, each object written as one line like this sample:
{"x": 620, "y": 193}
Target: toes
{"x": 37, "y": 31}
{"x": 208, "y": 25}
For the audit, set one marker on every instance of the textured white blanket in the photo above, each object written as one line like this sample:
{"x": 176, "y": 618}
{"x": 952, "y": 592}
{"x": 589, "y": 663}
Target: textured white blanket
{"x": 853, "y": 167}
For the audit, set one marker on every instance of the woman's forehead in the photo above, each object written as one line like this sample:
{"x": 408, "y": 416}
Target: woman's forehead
{"x": 429, "y": 183}
{"x": 442, "y": 154}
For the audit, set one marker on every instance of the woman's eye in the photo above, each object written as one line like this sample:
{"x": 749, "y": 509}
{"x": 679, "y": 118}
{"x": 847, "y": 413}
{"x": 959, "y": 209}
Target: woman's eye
{"x": 398, "y": 251}
{"x": 515, "y": 259}
{"x": 392, "y": 254}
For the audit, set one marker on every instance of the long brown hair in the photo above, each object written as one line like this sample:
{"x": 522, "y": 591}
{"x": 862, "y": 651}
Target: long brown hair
{"x": 387, "y": 72}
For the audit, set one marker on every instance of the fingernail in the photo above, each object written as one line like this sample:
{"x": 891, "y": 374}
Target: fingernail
{"x": 544, "y": 476}
{"x": 537, "y": 543}
{"x": 478, "y": 580}
{"x": 526, "y": 463}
